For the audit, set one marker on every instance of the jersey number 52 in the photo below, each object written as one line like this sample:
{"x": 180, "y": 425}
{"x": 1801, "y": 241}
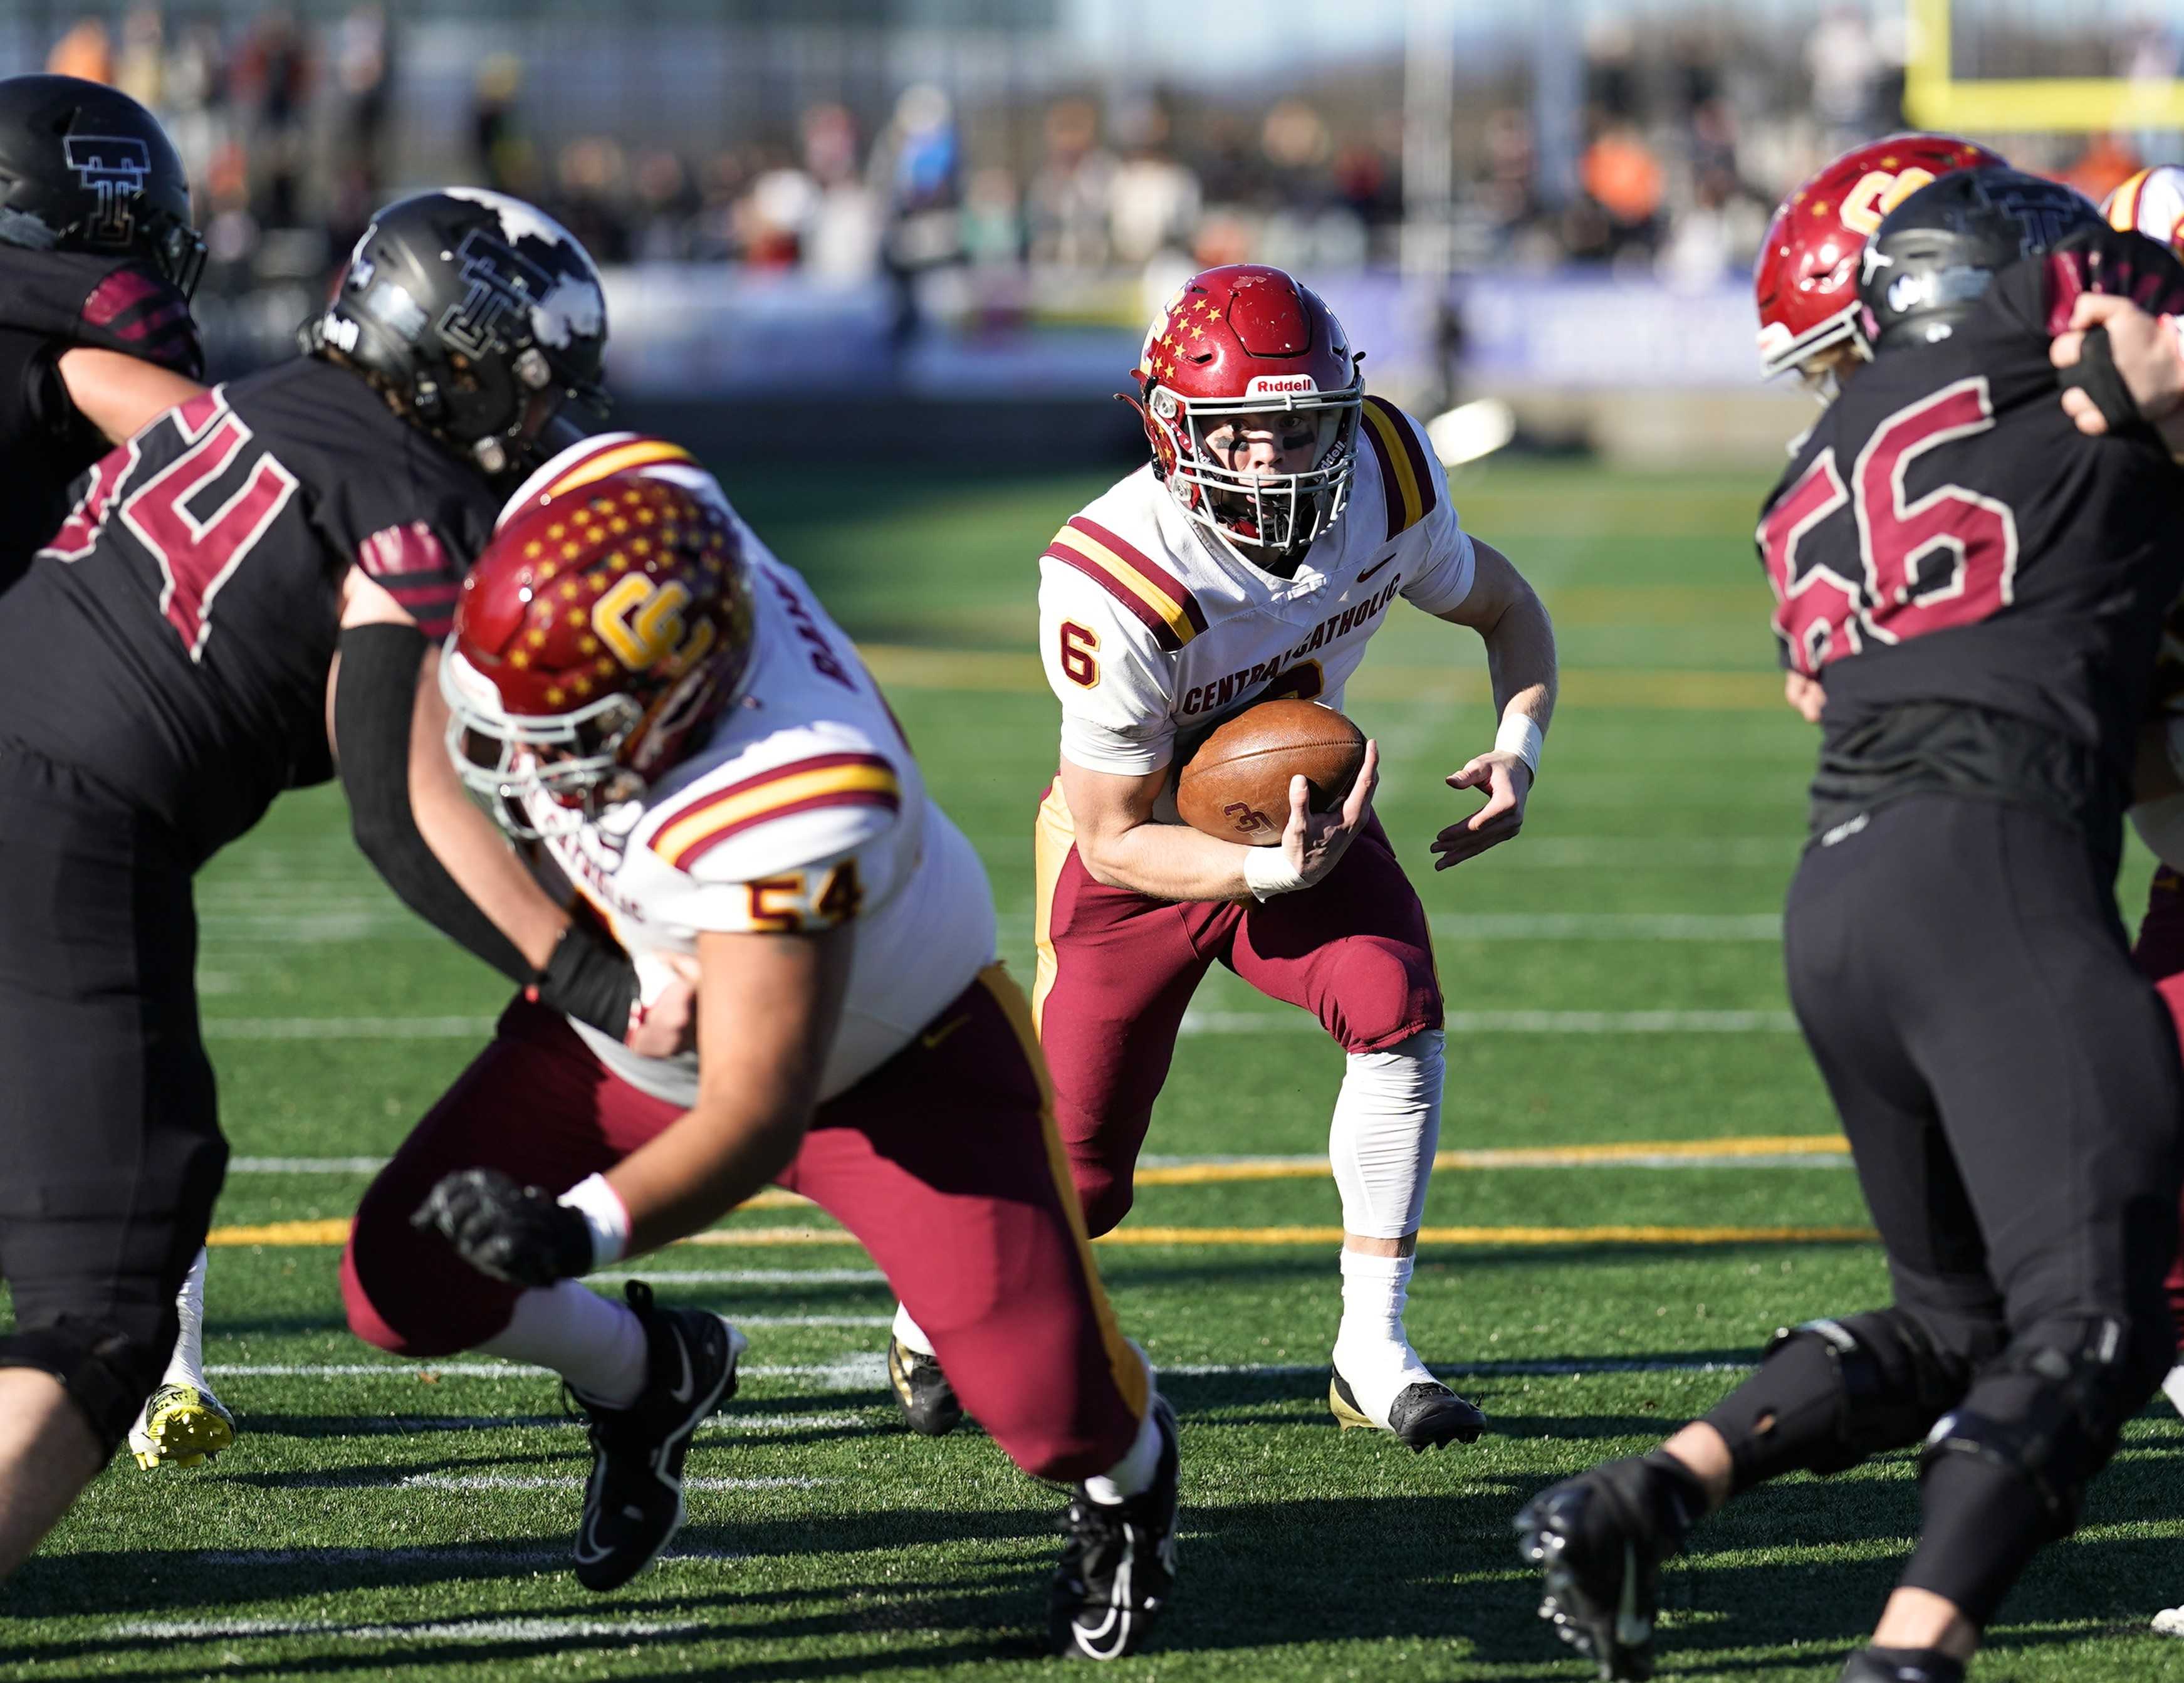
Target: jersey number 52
{"x": 1949, "y": 558}
{"x": 196, "y": 550}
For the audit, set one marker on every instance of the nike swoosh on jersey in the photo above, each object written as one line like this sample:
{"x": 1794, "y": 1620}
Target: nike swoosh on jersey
{"x": 1375, "y": 568}
{"x": 933, "y": 1038}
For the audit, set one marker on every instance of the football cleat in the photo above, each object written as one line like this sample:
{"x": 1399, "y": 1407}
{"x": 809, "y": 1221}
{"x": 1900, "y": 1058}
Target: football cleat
{"x": 929, "y": 1404}
{"x": 1119, "y": 1566}
{"x": 1598, "y": 1540}
{"x": 1898, "y": 1665}
{"x": 2169, "y": 1622}
{"x": 181, "y": 1426}
{"x": 634, "y": 1500}
{"x": 1425, "y": 1416}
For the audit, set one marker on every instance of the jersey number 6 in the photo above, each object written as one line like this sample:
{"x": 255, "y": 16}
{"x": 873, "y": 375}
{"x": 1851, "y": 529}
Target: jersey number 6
{"x": 1820, "y": 613}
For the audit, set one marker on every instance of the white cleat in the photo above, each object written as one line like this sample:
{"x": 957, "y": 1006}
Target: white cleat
{"x": 2169, "y": 1622}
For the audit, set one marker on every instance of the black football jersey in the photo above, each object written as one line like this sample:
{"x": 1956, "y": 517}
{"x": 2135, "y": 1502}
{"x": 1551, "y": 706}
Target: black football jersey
{"x": 50, "y": 303}
{"x": 173, "y": 638}
{"x": 1980, "y": 586}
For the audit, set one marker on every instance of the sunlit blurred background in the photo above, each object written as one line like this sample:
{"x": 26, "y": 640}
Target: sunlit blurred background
{"x": 939, "y": 224}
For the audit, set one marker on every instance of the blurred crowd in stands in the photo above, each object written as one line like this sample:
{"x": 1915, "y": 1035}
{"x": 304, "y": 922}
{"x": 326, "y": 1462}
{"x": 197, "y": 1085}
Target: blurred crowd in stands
{"x": 1684, "y": 139}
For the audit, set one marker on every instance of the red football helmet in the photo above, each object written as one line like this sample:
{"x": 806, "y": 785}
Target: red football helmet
{"x": 599, "y": 633}
{"x": 1806, "y": 280}
{"x": 1246, "y": 339}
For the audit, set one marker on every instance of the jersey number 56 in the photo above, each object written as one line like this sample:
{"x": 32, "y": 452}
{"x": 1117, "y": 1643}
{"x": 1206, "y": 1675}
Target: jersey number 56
{"x": 1949, "y": 558}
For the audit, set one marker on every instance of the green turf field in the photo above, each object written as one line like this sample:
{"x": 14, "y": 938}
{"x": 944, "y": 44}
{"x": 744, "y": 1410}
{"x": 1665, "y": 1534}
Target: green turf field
{"x": 1613, "y": 978}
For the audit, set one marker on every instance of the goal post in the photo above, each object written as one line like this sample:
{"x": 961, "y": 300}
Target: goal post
{"x": 1935, "y": 98}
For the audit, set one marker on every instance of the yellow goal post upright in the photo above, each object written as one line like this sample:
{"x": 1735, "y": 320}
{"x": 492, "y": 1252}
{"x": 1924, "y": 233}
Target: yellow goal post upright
{"x": 1935, "y": 98}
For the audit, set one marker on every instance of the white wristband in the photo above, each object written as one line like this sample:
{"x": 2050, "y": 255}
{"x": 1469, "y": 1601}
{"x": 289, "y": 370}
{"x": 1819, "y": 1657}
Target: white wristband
{"x": 1519, "y": 736}
{"x": 1267, "y": 872}
{"x": 604, "y": 1214}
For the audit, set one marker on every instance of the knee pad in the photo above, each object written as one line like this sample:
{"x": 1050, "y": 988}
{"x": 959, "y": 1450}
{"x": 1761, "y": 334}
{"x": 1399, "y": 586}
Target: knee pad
{"x": 1383, "y": 991}
{"x": 1829, "y": 1393}
{"x": 2049, "y": 1413}
{"x": 106, "y": 1372}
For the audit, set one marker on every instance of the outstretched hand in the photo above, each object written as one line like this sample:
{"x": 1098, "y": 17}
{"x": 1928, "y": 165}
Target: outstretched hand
{"x": 2146, "y": 354}
{"x": 1507, "y": 782}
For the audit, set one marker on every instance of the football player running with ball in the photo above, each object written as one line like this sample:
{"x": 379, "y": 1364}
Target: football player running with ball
{"x": 1982, "y": 588}
{"x": 639, "y": 689}
{"x": 1282, "y": 514}
{"x": 98, "y": 261}
{"x": 256, "y": 561}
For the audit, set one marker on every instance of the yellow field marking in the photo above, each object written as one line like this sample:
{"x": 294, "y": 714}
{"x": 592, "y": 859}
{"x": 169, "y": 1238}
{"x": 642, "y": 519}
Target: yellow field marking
{"x": 1523, "y": 1156}
{"x": 289, "y": 1235}
{"x": 900, "y": 666}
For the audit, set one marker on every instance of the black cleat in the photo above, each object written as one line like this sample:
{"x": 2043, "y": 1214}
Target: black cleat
{"x": 1118, "y": 1565}
{"x": 1901, "y": 1665}
{"x": 929, "y": 1404}
{"x": 1423, "y": 1416}
{"x": 634, "y": 1500}
{"x": 1599, "y": 1539}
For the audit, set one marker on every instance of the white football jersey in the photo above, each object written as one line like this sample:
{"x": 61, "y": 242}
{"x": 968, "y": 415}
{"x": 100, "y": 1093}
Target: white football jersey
{"x": 804, "y": 811}
{"x": 1150, "y": 630}
{"x": 2152, "y": 203}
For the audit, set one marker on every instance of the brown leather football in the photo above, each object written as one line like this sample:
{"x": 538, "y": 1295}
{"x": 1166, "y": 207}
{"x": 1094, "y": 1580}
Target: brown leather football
{"x": 1237, "y": 785}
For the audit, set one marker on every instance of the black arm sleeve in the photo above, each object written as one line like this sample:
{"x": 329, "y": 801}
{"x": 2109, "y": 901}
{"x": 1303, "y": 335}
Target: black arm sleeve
{"x": 374, "y": 698}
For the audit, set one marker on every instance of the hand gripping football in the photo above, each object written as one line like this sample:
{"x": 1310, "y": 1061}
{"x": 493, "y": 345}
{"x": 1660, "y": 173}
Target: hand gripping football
{"x": 1237, "y": 785}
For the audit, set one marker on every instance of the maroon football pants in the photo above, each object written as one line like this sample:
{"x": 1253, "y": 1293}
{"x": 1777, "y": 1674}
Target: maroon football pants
{"x": 943, "y": 1163}
{"x": 2160, "y": 951}
{"x": 1116, "y": 969}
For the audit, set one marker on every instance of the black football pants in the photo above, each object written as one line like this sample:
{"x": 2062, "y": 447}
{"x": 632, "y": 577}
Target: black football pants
{"x": 110, "y": 1150}
{"x": 2011, "y": 1090}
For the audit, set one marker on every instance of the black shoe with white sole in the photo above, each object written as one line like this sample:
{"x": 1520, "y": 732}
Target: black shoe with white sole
{"x": 1119, "y": 1566}
{"x": 1423, "y": 1416}
{"x": 634, "y": 1500}
{"x": 929, "y": 1404}
{"x": 1599, "y": 1539}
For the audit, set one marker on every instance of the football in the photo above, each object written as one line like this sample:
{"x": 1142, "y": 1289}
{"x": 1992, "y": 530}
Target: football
{"x": 1237, "y": 785}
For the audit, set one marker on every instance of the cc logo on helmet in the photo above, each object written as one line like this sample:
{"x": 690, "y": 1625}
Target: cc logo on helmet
{"x": 643, "y": 623}
{"x": 1878, "y": 192}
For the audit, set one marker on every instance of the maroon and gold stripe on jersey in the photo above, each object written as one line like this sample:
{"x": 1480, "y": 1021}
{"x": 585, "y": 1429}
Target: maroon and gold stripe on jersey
{"x": 803, "y": 785}
{"x": 1405, "y": 477}
{"x": 1147, "y": 589}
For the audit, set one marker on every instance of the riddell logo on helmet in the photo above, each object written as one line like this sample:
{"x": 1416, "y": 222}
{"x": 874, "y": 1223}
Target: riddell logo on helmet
{"x": 1281, "y": 386}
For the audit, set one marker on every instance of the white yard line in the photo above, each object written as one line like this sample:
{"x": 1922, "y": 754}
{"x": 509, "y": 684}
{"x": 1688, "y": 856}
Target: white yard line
{"x": 442, "y": 1630}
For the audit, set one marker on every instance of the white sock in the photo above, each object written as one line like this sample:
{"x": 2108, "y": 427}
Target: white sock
{"x": 185, "y": 1365}
{"x": 2174, "y": 1385}
{"x": 595, "y": 1344}
{"x": 1371, "y": 1350}
{"x": 1381, "y": 1142}
{"x": 1133, "y": 1474}
{"x": 909, "y": 1335}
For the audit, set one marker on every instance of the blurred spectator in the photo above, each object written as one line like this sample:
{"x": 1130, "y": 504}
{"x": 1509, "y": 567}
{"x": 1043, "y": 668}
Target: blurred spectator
{"x": 1847, "y": 69}
{"x": 505, "y": 157}
{"x": 1152, "y": 200}
{"x": 916, "y": 175}
{"x": 1067, "y": 205}
{"x": 1621, "y": 175}
{"x": 141, "y": 69}
{"x": 842, "y": 242}
{"x": 2104, "y": 165}
{"x": 84, "y": 51}
{"x": 592, "y": 195}
{"x": 361, "y": 59}
{"x": 271, "y": 83}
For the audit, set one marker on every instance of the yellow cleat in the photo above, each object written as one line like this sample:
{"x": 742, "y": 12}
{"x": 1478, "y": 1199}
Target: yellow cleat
{"x": 181, "y": 1426}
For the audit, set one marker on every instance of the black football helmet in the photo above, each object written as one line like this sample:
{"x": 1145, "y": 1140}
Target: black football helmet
{"x": 1934, "y": 256}
{"x": 479, "y": 315}
{"x": 85, "y": 168}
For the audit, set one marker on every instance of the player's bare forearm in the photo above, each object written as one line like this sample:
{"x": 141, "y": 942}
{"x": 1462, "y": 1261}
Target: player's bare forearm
{"x": 768, "y": 1009}
{"x": 120, "y": 394}
{"x": 1122, "y": 846}
{"x": 469, "y": 845}
{"x": 1513, "y": 622}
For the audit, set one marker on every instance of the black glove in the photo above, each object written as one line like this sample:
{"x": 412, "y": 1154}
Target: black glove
{"x": 518, "y": 1234}
{"x": 2096, "y": 375}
